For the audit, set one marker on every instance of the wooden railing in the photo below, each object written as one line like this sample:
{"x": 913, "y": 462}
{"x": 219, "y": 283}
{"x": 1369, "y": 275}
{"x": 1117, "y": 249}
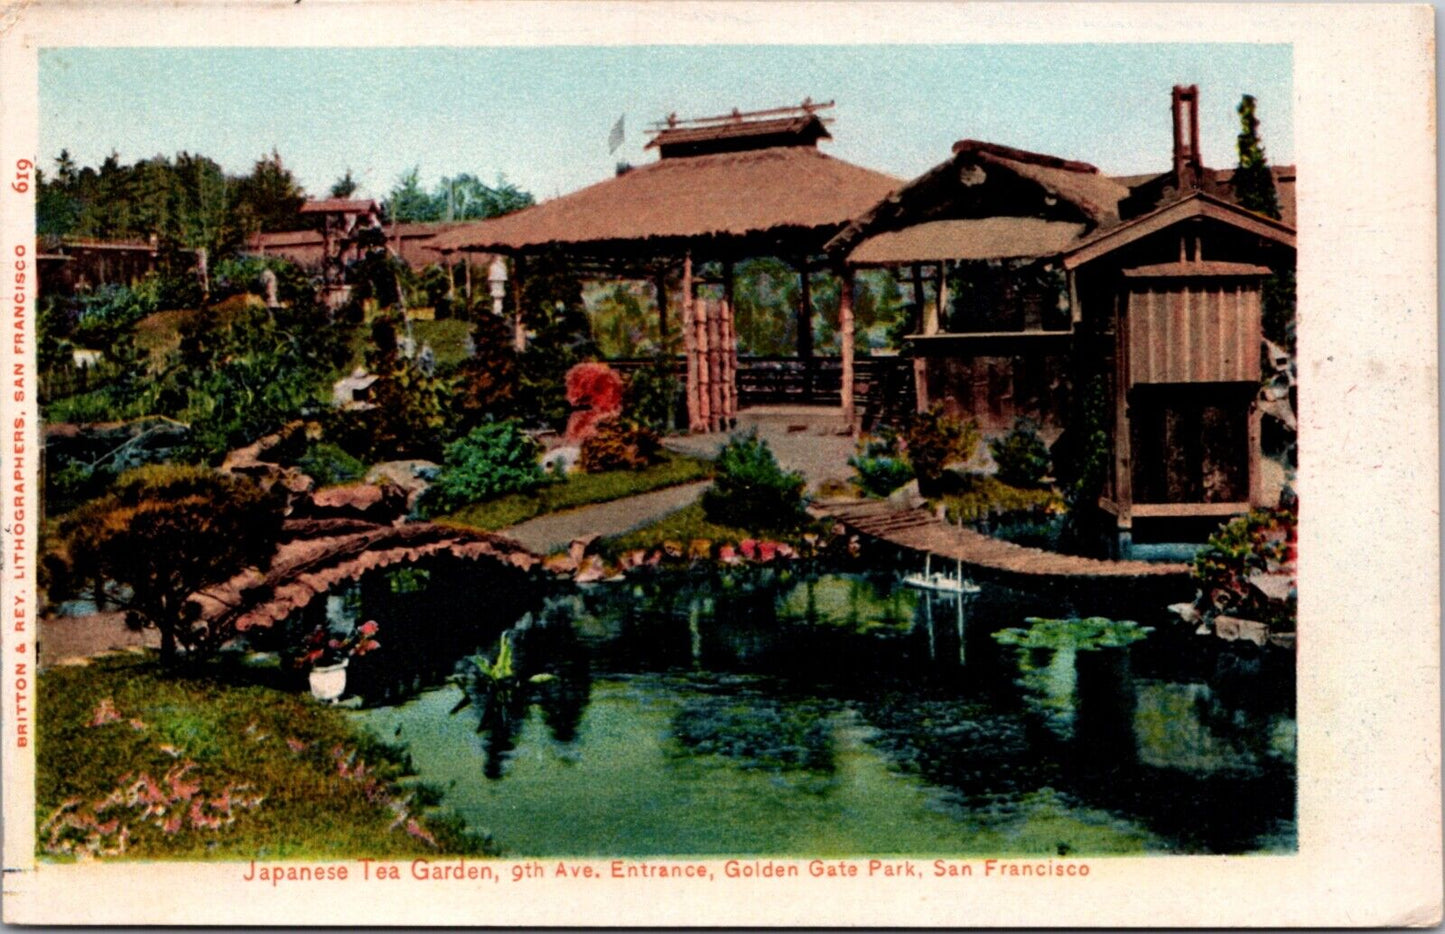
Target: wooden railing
{"x": 882, "y": 386}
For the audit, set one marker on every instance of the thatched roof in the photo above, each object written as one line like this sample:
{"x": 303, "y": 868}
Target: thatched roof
{"x": 785, "y": 191}
{"x": 984, "y": 238}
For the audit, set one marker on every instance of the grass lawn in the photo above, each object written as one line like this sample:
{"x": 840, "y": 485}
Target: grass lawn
{"x": 581, "y": 489}
{"x": 135, "y": 763}
{"x": 690, "y": 523}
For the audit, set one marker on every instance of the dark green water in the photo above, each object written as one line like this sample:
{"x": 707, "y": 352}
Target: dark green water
{"x": 795, "y": 714}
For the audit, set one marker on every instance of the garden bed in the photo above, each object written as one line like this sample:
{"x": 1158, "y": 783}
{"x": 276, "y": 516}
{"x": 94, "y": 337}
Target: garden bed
{"x": 580, "y": 489}
{"x": 691, "y": 524}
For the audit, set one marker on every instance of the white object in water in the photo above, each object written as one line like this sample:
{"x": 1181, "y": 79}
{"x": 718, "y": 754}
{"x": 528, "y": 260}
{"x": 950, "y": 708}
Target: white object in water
{"x": 937, "y": 580}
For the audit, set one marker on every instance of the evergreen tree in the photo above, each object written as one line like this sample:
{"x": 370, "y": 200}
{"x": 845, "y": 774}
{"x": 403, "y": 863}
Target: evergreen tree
{"x": 1253, "y": 181}
{"x": 344, "y": 187}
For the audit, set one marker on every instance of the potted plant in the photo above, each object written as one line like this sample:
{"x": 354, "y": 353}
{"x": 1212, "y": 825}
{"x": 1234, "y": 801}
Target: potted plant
{"x": 328, "y": 654}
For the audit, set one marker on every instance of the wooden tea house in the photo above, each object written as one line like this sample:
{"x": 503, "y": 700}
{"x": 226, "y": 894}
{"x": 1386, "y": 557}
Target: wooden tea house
{"x": 1040, "y": 284}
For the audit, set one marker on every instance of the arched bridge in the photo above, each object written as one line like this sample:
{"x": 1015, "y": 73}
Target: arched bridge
{"x": 318, "y": 554}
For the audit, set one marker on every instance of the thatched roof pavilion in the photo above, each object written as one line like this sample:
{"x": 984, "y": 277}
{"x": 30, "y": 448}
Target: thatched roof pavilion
{"x": 724, "y": 189}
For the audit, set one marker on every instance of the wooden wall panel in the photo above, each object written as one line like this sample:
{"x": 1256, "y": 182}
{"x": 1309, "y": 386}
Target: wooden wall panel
{"x": 1206, "y": 333}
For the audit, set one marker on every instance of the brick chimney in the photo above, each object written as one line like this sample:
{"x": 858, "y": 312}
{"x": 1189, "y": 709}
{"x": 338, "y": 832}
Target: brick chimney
{"x": 1187, "y": 164}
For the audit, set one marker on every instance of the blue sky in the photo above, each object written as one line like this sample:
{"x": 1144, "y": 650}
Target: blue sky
{"x": 541, "y": 115}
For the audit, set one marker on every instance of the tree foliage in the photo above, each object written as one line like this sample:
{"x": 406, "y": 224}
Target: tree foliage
{"x": 1253, "y": 180}
{"x": 185, "y": 202}
{"x": 163, "y": 533}
{"x": 458, "y": 197}
{"x": 242, "y": 374}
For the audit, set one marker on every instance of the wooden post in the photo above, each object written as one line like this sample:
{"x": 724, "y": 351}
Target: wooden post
{"x": 659, "y": 288}
{"x": 519, "y": 331}
{"x": 717, "y": 400}
{"x": 730, "y": 349}
{"x": 689, "y": 341}
{"x": 845, "y": 331}
{"x": 805, "y": 327}
{"x": 920, "y": 364}
{"x": 1256, "y": 481}
{"x": 1123, "y": 460}
{"x": 467, "y": 275}
{"x": 451, "y": 274}
{"x": 932, "y": 323}
{"x": 704, "y": 374}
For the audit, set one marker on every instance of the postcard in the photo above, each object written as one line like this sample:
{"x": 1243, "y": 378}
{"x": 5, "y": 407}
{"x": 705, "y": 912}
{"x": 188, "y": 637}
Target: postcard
{"x": 667, "y": 464}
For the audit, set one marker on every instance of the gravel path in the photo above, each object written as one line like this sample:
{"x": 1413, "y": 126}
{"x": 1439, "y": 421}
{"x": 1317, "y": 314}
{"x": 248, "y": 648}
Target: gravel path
{"x": 553, "y": 532}
{"x": 69, "y": 637}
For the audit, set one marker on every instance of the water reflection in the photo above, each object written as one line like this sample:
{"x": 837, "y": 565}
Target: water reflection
{"x": 720, "y": 694}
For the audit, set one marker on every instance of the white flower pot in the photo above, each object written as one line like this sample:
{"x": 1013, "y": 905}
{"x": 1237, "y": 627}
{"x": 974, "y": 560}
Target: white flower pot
{"x": 328, "y": 682}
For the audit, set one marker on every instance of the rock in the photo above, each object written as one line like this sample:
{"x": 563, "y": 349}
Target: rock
{"x": 561, "y": 564}
{"x": 581, "y": 548}
{"x": 590, "y": 569}
{"x": 1232, "y": 628}
{"x": 1187, "y": 613}
{"x": 382, "y": 503}
{"x": 906, "y": 496}
{"x": 1276, "y": 587}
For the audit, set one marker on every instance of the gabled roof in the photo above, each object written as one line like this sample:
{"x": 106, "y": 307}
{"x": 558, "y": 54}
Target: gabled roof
{"x": 776, "y": 190}
{"x": 1148, "y": 192}
{"x": 1080, "y": 195}
{"x": 1197, "y": 204}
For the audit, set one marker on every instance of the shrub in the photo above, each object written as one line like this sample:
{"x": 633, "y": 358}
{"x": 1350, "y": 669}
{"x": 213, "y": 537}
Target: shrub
{"x": 1021, "y": 455}
{"x": 329, "y": 464}
{"x": 934, "y": 439}
{"x": 595, "y": 390}
{"x": 620, "y": 444}
{"x": 241, "y": 274}
{"x": 110, "y": 310}
{"x": 1243, "y": 552}
{"x": 751, "y": 491}
{"x": 491, "y": 460}
{"x": 880, "y": 464}
{"x": 984, "y": 499}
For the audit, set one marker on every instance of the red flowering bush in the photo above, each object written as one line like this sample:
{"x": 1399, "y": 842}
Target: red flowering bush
{"x": 595, "y": 390}
{"x": 323, "y": 647}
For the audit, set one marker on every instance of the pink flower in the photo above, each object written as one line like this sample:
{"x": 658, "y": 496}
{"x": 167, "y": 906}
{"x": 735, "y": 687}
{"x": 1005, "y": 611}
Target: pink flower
{"x": 767, "y": 551}
{"x": 105, "y": 712}
{"x": 727, "y": 554}
{"x": 368, "y": 628}
{"x": 421, "y": 833}
{"x": 749, "y": 547}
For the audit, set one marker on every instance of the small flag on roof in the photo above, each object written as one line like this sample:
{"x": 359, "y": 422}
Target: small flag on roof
{"x": 614, "y": 139}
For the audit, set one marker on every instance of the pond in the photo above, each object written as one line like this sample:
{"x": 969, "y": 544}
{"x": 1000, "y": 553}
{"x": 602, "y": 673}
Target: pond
{"x": 795, "y": 712}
